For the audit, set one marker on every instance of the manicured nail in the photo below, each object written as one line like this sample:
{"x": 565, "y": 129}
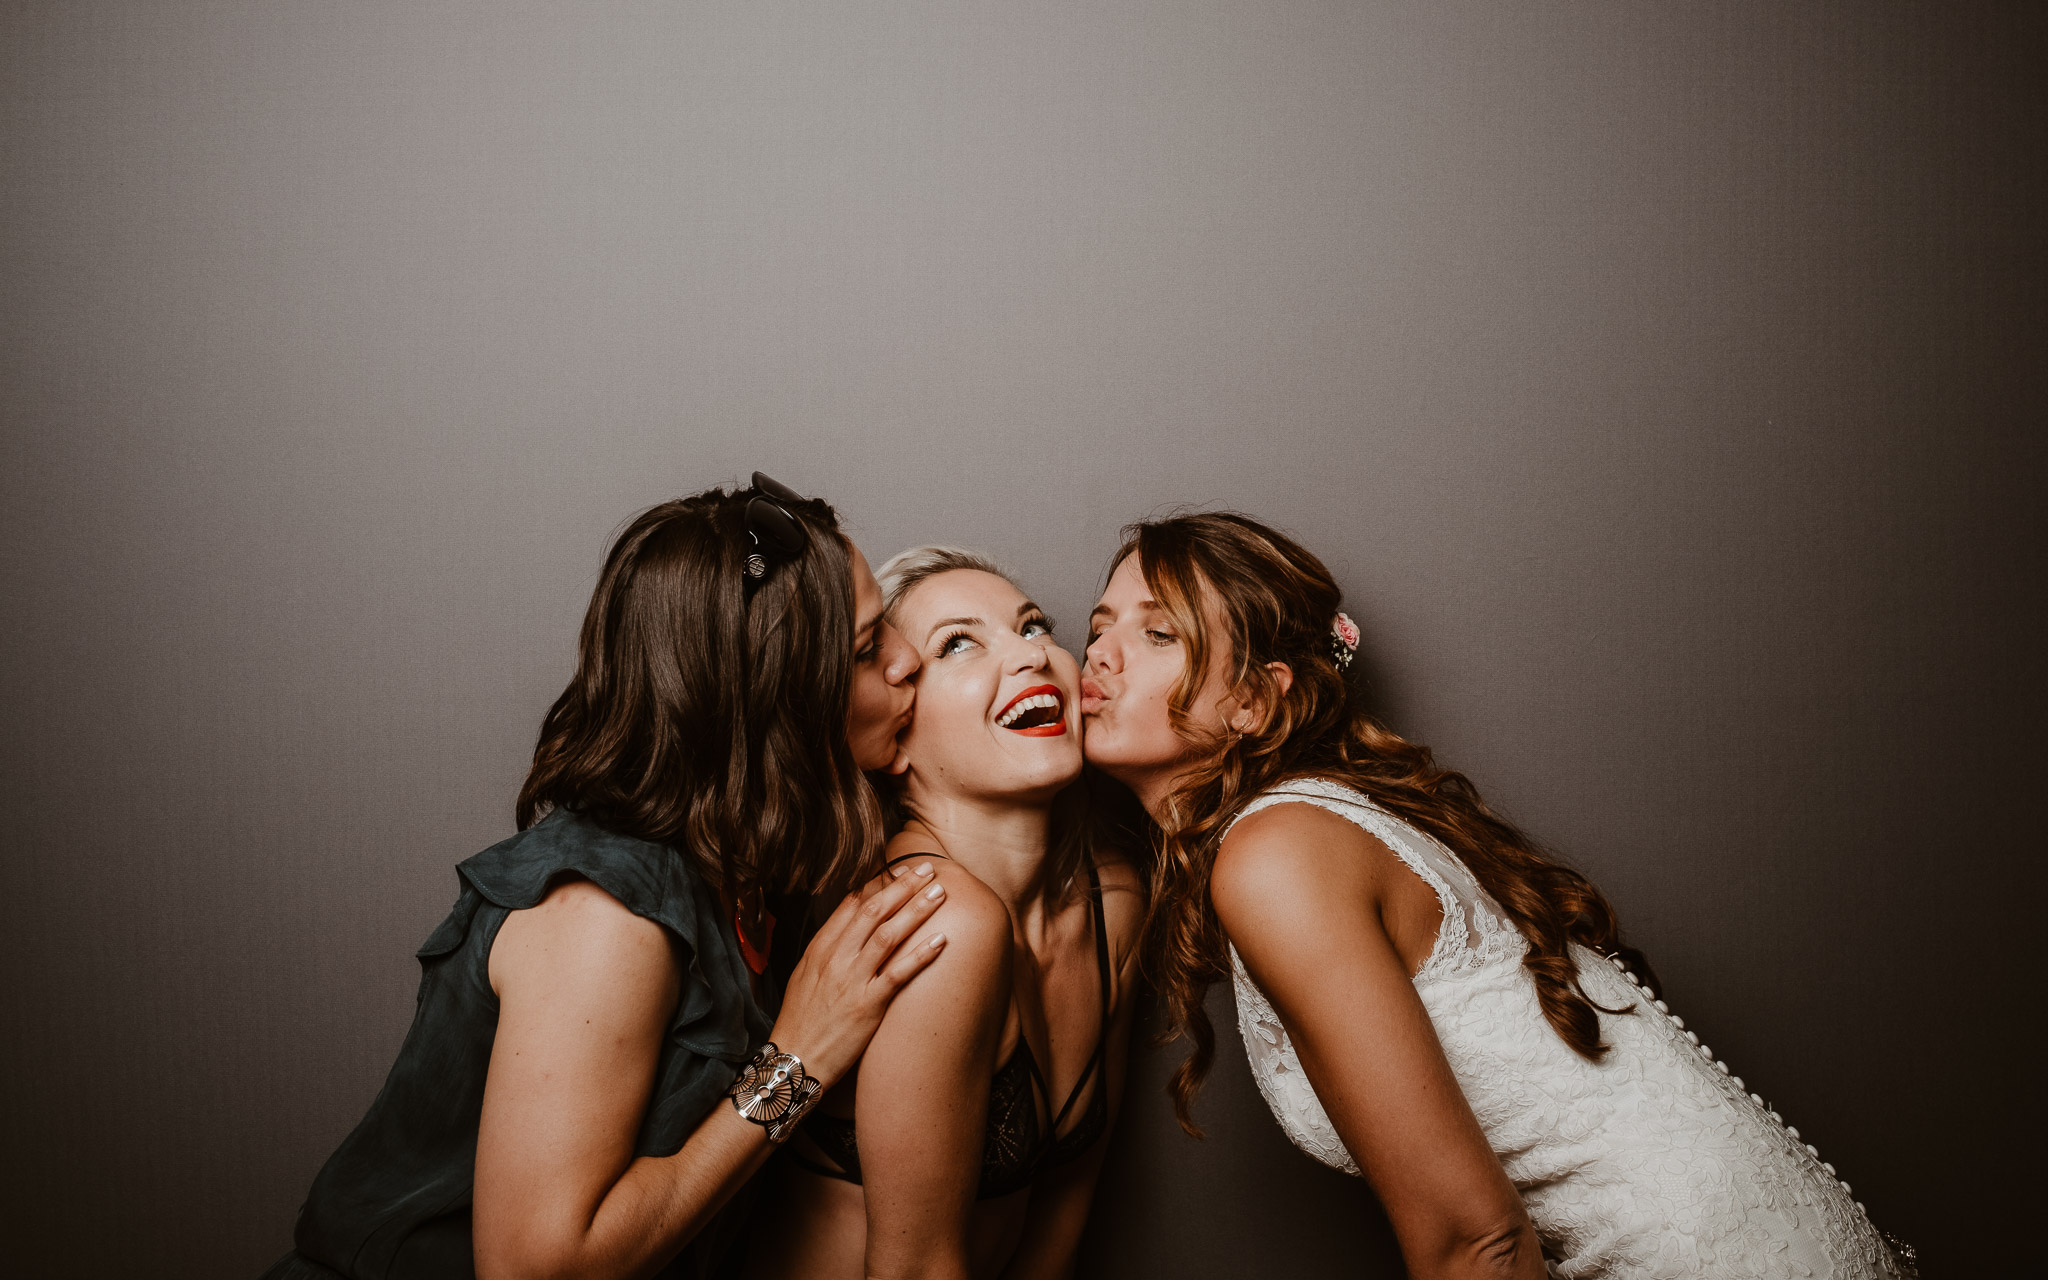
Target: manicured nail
{"x": 937, "y": 940}
{"x": 896, "y": 872}
{"x": 924, "y": 868}
{"x": 936, "y": 892}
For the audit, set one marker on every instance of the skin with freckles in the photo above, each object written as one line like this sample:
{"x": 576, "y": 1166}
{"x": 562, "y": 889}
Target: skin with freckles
{"x": 995, "y": 740}
{"x": 1332, "y": 927}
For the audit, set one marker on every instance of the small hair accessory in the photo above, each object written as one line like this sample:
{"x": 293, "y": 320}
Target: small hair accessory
{"x": 1343, "y": 640}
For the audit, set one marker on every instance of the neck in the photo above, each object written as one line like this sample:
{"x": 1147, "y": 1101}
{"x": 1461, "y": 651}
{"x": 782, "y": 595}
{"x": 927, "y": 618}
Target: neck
{"x": 1001, "y": 843}
{"x": 1152, "y": 787}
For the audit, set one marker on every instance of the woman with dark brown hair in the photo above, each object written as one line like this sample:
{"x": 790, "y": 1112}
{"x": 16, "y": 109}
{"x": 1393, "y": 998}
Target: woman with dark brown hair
{"x": 1426, "y": 999}
{"x": 602, "y": 983}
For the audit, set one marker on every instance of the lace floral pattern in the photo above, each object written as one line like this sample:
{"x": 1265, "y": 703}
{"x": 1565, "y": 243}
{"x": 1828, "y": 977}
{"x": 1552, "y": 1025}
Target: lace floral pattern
{"x": 1653, "y": 1162}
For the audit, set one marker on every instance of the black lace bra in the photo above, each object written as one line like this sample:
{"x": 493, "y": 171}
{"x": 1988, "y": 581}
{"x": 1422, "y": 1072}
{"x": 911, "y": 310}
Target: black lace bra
{"x": 1016, "y": 1143}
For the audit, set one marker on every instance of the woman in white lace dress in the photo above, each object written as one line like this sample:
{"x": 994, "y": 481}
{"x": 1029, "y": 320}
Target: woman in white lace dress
{"x": 1426, "y": 1000}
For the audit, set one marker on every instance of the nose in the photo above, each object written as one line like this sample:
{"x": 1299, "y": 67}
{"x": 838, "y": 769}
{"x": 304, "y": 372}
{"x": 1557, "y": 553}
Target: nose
{"x": 902, "y": 657}
{"x": 1101, "y": 655}
{"x": 1026, "y": 655}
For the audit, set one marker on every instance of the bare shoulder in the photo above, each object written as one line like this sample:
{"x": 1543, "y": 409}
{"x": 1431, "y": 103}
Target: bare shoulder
{"x": 1289, "y": 862}
{"x": 1123, "y": 903}
{"x": 977, "y": 929}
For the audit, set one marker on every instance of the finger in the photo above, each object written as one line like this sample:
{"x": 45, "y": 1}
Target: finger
{"x": 882, "y": 880}
{"x": 834, "y": 924}
{"x": 909, "y": 962}
{"x": 883, "y": 904}
{"x": 908, "y": 919}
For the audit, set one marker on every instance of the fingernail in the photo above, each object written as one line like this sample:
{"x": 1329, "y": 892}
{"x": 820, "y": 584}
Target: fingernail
{"x": 924, "y": 868}
{"x": 938, "y": 940}
{"x": 896, "y": 872}
{"x": 936, "y": 891}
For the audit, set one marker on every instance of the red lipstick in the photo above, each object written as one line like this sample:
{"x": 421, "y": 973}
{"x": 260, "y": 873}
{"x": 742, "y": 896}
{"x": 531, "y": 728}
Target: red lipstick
{"x": 1037, "y": 712}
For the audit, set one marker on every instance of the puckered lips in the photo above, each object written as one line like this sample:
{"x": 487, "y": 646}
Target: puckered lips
{"x": 1093, "y": 696}
{"x": 1038, "y": 712}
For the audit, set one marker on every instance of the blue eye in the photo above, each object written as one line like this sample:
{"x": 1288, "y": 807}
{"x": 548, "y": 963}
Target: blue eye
{"x": 954, "y": 643}
{"x": 1034, "y": 628}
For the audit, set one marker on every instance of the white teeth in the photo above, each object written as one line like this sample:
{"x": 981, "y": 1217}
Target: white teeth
{"x": 1023, "y": 705}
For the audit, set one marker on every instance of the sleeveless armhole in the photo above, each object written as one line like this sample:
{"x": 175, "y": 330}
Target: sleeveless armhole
{"x": 1471, "y": 918}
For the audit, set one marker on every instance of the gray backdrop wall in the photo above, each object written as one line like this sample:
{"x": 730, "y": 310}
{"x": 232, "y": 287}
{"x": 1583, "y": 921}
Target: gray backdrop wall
{"x": 1663, "y": 382}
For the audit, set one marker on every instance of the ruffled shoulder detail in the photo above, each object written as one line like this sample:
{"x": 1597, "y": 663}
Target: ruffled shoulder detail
{"x": 716, "y": 1014}
{"x": 649, "y": 879}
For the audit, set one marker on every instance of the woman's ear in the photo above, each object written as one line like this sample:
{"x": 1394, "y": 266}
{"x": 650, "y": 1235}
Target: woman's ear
{"x": 1253, "y": 713}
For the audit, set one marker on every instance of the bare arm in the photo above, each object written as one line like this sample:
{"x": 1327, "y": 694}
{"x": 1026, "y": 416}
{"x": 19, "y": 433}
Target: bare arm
{"x": 1061, "y": 1198}
{"x": 922, "y": 1106}
{"x": 1300, "y": 892}
{"x": 585, "y": 989}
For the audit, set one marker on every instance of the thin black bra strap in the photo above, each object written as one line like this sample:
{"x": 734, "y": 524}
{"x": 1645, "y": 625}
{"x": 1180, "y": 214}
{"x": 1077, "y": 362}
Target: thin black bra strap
{"x": 1102, "y": 972}
{"x": 908, "y": 856}
{"x": 1101, "y": 947}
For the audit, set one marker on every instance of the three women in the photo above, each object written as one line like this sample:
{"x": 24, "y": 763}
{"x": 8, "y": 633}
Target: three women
{"x": 1425, "y": 998}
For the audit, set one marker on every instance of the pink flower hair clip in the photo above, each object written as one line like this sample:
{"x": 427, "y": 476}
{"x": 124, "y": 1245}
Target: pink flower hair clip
{"x": 1343, "y": 640}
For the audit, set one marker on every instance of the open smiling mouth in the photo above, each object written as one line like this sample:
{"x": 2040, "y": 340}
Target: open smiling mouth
{"x": 1038, "y": 712}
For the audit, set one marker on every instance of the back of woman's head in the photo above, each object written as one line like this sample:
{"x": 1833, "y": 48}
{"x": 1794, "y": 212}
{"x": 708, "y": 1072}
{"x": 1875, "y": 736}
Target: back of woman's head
{"x": 708, "y": 710}
{"x": 1235, "y": 586}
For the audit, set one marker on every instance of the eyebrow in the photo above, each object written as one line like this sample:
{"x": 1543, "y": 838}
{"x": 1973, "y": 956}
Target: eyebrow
{"x": 867, "y": 626}
{"x": 1104, "y": 611}
{"x": 1024, "y": 610}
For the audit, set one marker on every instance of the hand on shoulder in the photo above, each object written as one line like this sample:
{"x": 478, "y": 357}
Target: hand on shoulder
{"x": 977, "y": 929}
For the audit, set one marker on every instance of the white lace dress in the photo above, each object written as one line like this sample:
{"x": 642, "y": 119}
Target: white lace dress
{"x": 1653, "y": 1162}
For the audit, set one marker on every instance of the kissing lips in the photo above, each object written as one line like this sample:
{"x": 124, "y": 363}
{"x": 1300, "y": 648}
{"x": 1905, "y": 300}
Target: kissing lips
{"x": 1092, "y": 697}
{"x": 1038, "y": 712}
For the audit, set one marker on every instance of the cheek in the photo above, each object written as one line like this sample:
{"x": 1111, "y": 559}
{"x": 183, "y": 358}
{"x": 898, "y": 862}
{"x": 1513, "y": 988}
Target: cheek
{"x": 870, "y": 704}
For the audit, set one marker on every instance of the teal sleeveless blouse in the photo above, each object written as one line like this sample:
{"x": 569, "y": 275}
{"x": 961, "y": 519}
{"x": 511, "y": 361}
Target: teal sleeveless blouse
{"x": 393, "y": 1202}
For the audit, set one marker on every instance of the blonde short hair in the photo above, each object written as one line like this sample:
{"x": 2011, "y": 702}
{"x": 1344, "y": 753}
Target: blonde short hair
{"x": 906, "y": 569}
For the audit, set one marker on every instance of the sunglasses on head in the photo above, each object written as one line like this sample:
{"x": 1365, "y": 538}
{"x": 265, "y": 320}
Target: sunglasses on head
{"x": 775, "y": 532}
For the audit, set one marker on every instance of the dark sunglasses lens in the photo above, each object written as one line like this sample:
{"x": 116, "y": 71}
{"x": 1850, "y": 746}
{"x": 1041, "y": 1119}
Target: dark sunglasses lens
{"x": 776, "y": 529}
{"x": 775, "y": 488}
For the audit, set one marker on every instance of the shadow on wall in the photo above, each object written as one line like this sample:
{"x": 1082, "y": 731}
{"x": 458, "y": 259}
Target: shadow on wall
{"x": 1240, "y": 1202}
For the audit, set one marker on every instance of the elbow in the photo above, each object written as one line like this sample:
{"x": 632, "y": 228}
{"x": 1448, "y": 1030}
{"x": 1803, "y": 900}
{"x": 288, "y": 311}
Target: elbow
{"x": 1507, "y": 1249}
{"x": 946, "y": 1264}
{"x": 531, "y": 1257}
{"x": 1504, "y": 1248}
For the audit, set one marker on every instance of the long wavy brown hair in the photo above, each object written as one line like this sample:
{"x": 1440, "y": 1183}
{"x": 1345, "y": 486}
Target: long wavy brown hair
{"x": 711, "y": 716}
{"x": 1233, "y": 585}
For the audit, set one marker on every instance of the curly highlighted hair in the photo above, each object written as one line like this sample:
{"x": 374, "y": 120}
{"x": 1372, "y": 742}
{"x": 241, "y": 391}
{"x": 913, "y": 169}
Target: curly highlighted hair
{"x": 1233, "y": 585}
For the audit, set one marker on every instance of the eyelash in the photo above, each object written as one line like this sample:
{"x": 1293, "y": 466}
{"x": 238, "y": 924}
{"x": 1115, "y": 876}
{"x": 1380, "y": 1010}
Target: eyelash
{"x": 1156, "y": 636}
{"x": 945, "y": 647}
